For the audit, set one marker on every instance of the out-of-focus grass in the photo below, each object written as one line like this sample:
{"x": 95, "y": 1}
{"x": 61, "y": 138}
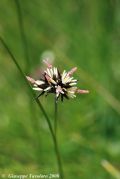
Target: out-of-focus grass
{"x": 81, "y": 33}
{"x": 111, "y": 169}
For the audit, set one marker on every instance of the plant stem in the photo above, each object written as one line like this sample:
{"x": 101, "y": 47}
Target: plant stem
{"x": 55, "y": 139}
{"x": 40, "y": 107}
{"x": 55, "y": 120}
{"x": 58, "y": 158}
{"x": 27, "y": 63}
{"x": 23, "y": 36}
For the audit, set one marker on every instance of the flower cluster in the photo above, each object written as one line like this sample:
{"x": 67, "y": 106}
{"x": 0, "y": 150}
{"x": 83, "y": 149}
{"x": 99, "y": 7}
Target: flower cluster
{"x": 61, "y": 84}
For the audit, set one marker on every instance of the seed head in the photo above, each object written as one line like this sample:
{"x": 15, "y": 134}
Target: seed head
{"x": 63, "y": 85}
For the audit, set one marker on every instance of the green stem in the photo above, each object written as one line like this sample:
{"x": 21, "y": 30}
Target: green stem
{"x": 58, "y": 158}
{"x": 40, "y": 106}
{"x": 55, "y": 140}
{"x": 23, "y": 36}
{"x": 27, "y": 67}
{"x": 55, "y": 122}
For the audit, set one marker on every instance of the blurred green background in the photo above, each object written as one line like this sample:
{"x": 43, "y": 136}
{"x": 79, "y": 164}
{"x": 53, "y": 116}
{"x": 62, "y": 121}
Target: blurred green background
{"x": 82, "y": 33}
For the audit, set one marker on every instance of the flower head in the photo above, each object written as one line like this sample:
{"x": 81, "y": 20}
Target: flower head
{"x": 61, "y": 84}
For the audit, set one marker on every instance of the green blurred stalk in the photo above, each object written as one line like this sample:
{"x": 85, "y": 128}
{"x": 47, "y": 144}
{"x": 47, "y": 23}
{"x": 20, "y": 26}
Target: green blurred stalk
{"x": 55, "y": 135}
{"x": 26, "y": 54}
{"x": 27, "y": 70}
{"x": 55, "y": 121}
{"x": 25, "y": 48}
{"x": 23, "y": 36}
{"x": 40, "y": 107}
{"x": 111, "y": 169}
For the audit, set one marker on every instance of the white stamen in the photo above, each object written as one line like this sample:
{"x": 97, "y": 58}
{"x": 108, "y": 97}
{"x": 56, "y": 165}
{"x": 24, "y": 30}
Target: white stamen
{"x": 38, "y": 82}
{"x": 52, "y": 81}
{"x": 57, "y": 94}
{"x": 66, "y": 79}
{"x": 48, "y": 72}
{"x": 56, "y": 71}
{"x": 73, "y": 80}
{"x": 63, "y": 75}
{"x": 71, "y": 92}
{"x": 51, "y": 71}
{"x": 69, "y": 80}
{"x": 38, "y": 89}
{"x": 47, "y": 89}
{"x": 73, "y": 96}
{"x": 72, "y": 84}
